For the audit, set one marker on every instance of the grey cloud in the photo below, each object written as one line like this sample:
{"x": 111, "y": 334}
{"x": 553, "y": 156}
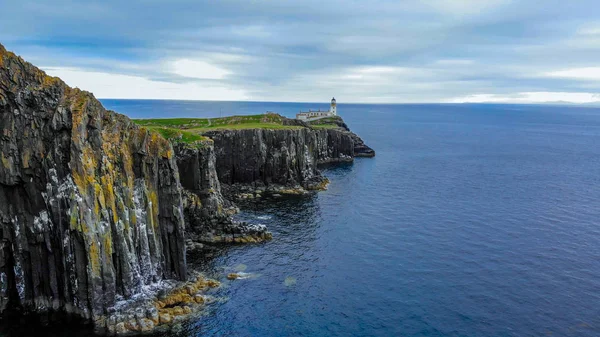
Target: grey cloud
{"x": 298, "y": 50}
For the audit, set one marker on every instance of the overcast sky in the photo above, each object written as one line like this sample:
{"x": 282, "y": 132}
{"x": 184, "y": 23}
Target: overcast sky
{"x": 357, "y": 51}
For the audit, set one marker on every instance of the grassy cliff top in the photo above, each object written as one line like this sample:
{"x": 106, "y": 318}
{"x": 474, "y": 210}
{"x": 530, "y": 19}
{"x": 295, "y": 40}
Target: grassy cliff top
{"x": 266, "y": 121}
{"x": 333, "y": 122}
{"x": 190, "y": 130}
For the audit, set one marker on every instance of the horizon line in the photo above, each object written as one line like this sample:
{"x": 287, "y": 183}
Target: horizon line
{"x": 590, "y": 104}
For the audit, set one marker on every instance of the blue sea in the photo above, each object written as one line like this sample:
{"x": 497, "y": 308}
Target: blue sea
{"x": 472, "y": 220}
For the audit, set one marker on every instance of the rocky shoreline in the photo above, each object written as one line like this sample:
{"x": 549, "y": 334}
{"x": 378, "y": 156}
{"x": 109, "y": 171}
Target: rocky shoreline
{"x": 96, "y": 212}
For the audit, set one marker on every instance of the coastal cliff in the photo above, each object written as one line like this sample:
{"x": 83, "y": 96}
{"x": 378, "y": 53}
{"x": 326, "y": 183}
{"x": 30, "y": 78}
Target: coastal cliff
{"x": 208, "y": 215}
{"x": 90, "y": 203}
{"x": 96, "y": 211}
{"x": 282, "y": 160}
{"x": 337, "y": 123}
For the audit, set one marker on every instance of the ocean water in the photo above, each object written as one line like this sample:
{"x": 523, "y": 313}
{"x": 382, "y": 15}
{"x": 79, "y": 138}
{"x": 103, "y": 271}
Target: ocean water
{"x": 472, "y": 220}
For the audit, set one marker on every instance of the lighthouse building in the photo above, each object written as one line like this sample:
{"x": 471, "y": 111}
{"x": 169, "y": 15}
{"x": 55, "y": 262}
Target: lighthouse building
{"x": 312, "y": 115}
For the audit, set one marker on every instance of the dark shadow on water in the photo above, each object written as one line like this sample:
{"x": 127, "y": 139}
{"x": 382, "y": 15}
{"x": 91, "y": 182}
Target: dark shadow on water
{"x": 56, "y": 324}
{"x": 336, "y": 167}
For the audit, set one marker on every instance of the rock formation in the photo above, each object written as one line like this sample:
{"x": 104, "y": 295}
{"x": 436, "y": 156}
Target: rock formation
{"x": 90, "y": 204}
{"x": 208, "y": 214}
{"x": 360, "y": 148}
{"x": 283, "y": 161}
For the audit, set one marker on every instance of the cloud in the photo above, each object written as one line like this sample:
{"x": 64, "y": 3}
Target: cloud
{"x": 453, "y": 62}
{"x": 531, "y": 97}
{"x": 465, "y": 7}
{"x": 380, "y": 51}
{"x": 197, "y": 69}
{"x": 587, "y": 74}
{"x": 106, "y": 85}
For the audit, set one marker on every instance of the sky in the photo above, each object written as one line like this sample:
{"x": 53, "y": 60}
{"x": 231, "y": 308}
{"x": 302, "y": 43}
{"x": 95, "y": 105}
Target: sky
{"x": 456, "y": 51}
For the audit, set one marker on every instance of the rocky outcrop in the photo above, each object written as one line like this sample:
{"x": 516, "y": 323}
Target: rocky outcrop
{"x": 282, "y": 161}
{"x": 337, "y": 123}
{"x": 208, "y": 214}
{"x": 265, "y": 159}
{"x": 90, "y": 204}
{"x": 179, "y": 302}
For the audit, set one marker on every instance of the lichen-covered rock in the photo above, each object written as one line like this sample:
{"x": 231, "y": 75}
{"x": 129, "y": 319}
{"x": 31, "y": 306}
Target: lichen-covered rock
{"x": 165, "y": 318}
{"x": 90, "y": 204}
{"x": 145, "y": 325}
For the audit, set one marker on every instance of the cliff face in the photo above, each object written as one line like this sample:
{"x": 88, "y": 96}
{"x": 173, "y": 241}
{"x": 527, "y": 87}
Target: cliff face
{"x": 90, "y": 204}
{"x": 207, "y": 212}
{"x": 288, "y": 157}
{"x": 264, "y": 158}
{"x": 360, "y": 148}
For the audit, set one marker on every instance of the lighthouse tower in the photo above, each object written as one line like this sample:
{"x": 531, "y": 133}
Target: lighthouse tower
{"x": 333, "y": 108}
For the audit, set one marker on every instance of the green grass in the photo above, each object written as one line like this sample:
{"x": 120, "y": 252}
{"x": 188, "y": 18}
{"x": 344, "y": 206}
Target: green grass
{"x": 197, "y": 123}
{"x": 326, "y": 120}
{"x": 196, "y": 126}
{"x": 177, "y": 135}
{"x": 271, "y": 126}
{"x": 326, "y": 123}
{"x": 324, "y": 126}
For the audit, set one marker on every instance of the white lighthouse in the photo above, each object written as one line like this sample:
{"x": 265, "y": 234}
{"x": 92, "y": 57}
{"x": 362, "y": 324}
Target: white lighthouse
{"x": 312, "y": 115}
{"x": 333, "y": 109}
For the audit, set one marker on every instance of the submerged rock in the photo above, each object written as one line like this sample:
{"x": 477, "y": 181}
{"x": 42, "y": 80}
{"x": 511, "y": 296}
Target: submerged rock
{"x": 289, "y": 281}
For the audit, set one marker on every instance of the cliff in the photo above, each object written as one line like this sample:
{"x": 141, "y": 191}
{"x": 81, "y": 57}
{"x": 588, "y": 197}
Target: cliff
{"x": 93, "y": 206}
{"x": 208, "y": 215}
{"x": 90, "y": 203}
{"x": 337, "y": 123}
{"x": 281, "y": 161}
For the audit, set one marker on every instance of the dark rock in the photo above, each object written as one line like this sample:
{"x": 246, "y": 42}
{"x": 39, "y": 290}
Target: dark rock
{"x": 360, "y": 148}
{"x": 90, "y": 204}
{"x": 282, "y": 161}
{"x": 92, "y": 207}
{"x": 207, "y": 213}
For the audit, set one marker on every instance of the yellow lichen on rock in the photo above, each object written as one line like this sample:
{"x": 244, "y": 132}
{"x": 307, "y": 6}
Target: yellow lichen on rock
{"x": 94, "y": 258}
{"x": 6, "y": 162}
{"x": 25, "y": 157}
{"x": 108, "y": 244}
{"x": 74, "y": 220}
{"x": 153, "y": 207}
{"x": 165, "y": 318}
{"x": 109, "y": 196}
{"x": 50, "y": 81}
